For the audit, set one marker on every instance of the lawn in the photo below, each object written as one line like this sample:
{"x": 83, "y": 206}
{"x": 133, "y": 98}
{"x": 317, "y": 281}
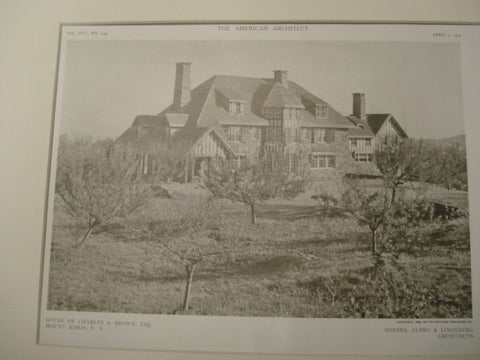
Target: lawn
{"x": 296, "y": 262}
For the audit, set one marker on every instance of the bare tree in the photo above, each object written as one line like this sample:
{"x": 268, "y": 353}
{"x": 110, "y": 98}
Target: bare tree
{"x": 190, "y": 232}
{"x": 98, "y": 182}
{"x": 370, "y": 209}
{"x": 401, "y": 160}
{"x": 450, "y": 163}
{"x": 258, "y": 179}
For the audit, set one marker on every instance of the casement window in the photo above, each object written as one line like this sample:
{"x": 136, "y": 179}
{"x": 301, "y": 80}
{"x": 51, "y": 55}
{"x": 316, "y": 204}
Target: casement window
{"x": 244, "y": 133}
{"x": 257, "y": 133}
{"x": 274, "y": 134}
{"x": 144, "y": 164}
{"x": 361, "y": 144}
{"x": 299, "y": 113}
{"x": 292, "y": 162}
{"x": 273, "y": 112}
{"x": 236, "y": 107}
{"x": 362, "y": 157}
{"x": 290, "y": 134}
{"x": 318, "y": 136}
{"x": 241, "y": 133}
{"x": 233, "y": 133}
{"x": 322, "y": 161}
{"x": 330, "y": 136}
{"x": 321, "y": 111}
{"x": 275, "y": 123}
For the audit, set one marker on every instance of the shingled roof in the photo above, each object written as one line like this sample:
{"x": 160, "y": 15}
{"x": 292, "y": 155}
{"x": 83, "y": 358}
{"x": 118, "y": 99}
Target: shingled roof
{"x": 376, "y": 121}
{"x": 189, "y": 137}
{"x": 361, "y": 129}
{"x": 207, "y": 107}
{"x": 333, "y": 120}
{"x": 279, "y": 96}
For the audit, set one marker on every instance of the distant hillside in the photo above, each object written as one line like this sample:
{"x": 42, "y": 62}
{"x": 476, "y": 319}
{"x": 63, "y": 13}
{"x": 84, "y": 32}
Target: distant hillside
{"x": 460, "y": 139}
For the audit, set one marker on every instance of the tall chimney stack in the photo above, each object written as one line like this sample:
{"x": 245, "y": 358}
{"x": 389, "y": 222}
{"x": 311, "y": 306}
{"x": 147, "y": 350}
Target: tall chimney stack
{"x": 359, "y": 106}
{"x": 181, "y": 93}
{"x": 281, "y": 76}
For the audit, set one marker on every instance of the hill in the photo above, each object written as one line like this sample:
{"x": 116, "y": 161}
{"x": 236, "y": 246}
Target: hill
{"x": 459, "y": 139}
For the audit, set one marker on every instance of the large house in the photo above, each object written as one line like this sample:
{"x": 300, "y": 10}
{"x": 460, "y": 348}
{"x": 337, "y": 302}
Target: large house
{"x": 239, "y": 117}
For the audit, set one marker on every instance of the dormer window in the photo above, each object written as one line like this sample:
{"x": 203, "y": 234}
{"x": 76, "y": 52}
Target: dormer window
{"x": 321, "y": 111}
{"x": 236, "y": 107}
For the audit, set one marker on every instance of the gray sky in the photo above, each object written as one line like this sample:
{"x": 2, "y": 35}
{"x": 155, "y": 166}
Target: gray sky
{"x": 108, "y": 83}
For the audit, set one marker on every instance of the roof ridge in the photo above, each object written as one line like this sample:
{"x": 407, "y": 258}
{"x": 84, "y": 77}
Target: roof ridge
{"x": 240, "y": 76}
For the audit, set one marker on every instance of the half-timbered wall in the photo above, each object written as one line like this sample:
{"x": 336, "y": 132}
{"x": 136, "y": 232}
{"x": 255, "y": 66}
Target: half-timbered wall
{"x": 210, "y": 146}
{"x": 387, "y": 130}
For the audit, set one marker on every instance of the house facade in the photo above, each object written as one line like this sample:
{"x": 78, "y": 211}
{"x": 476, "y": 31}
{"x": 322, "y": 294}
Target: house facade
{"x": 240, "y": 117}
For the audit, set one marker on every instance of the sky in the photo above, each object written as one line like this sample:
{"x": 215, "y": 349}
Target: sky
{"x": 107, "y": 83}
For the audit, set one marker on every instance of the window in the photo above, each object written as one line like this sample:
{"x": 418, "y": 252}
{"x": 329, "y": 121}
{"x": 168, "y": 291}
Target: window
{"x": 290, "y": 134}
{"x": 274, "y": 134}
{"x": 292, "y": 162}
{"x": 363, "y": 157}
{"x": 275, "y": 123}
{"x": 233, "y": 133}
{"x": 318, "y": 136}
{"x": 330, "y": 136}
{"x": 322, "y": 161}
{"x": 257, "y": 132}
{"x": 299, "y": 113}
{"x": 244, "y": 133}
{"x": 321, "y": 111}
{"x": 361, "y": 144}
{"x": 145, "y": 164}
{"x": 236, "y": 107}
{"x": 273, "y": 112}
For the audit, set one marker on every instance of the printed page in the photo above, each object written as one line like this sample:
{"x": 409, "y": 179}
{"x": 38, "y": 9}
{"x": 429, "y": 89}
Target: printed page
{"x": 267, "y": 188}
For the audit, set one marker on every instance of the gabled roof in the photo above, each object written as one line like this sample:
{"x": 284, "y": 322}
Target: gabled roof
{"x": 144, "y": 140}
{"x": 361, "y": 129}
{"x": 376, "y": 121}
{"x": 279, "y": 96}
{"x": 188, "y": 138}
{"x": 207, "y": 108}
{"x": 333, "y": 120}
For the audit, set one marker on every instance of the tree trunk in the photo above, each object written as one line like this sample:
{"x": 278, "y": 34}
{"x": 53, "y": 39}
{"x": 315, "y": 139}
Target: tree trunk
{"x": 252, "y": 213}
{"x": 91, "y": 225}
{"x": 374, "y": 241}
{"x": 394, "y": 191}
{"x": 188, "y": 287}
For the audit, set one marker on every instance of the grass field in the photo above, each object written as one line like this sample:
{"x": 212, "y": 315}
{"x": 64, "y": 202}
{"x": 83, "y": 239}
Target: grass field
{"x": 296, "y": 262}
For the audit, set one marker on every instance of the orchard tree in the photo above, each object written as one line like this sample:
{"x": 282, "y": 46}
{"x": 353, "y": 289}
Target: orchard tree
{"x": 256, "y": 180}
{"x": 399, "y": 161}
{"x": 191, "y": 231}
{"x": 98, "y": 181}
{"x": 162, "y": 161}
{"x": 403, "y": 160}
{"x": 370, "y": 209}
{"x": 451, "y": 163}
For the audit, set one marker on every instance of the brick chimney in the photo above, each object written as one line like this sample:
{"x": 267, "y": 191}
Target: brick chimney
{"x": 359, "y": 106}
{"x": 181, "y": 93}
{"x": 281, "y": 76}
